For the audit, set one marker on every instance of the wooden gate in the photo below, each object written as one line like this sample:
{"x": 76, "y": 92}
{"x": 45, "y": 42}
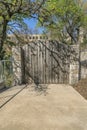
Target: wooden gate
{"x": 46, "y": 62}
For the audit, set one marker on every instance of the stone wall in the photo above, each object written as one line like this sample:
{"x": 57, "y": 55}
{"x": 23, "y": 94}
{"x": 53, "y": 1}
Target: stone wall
{"x": 73, "y": 71}
{"x": 84, "y": 63}
{"x": 17, "y": 65}
{"x": 74, "y": 67}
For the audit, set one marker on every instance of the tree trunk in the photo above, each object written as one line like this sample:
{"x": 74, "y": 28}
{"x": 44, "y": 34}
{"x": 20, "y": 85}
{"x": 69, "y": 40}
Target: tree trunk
{"x": 79, "y": 77}
{"x": 79, "y": 57}
{"x": 3, "y": 38}
{"x": 23, "y": 66}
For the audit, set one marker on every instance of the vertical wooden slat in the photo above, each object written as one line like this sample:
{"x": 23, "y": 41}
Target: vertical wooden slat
{"x": 50, "y": 63}
{"x": 40, "y": 63}
{"x": 41, "y": 70}
{"x": 38, "y": 59}
{"x": 47, "y": 71}
{"x": 44, "y": 61}
{"x": 52, "y": 67}
{"x": 37, "y": 42}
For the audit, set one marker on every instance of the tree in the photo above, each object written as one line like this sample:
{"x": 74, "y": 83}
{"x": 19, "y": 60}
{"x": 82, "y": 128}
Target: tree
{"x": 15, "y": 10}
{"x": 64, "y": 19}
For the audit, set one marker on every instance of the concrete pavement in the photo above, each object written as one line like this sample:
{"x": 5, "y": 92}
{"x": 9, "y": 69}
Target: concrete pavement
{"x": 57, "y": 107}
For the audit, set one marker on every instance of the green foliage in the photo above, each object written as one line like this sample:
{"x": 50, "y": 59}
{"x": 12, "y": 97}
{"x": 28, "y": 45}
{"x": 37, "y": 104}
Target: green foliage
{"x": 6, "y": 72}
{"x": 65, "y": 18}
{"x": 9, "y": 81}
{"x": 14, "y": 12}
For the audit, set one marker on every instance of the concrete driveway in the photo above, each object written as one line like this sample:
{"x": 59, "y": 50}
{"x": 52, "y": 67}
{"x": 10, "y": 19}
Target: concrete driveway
{"x": 56, "y": 107}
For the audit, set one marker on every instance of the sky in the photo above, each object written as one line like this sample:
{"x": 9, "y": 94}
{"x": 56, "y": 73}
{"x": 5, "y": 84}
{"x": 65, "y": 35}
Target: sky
{"x": 32, "y": 24}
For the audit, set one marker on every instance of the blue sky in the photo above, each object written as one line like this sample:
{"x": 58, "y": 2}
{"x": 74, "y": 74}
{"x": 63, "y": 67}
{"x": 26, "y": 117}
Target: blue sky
{"x": 32, "y": 24}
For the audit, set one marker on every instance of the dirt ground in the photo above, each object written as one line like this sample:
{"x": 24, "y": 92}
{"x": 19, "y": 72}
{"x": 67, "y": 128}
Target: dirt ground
{"x": 52, "y": 107}
{"x": 81, "y": 87}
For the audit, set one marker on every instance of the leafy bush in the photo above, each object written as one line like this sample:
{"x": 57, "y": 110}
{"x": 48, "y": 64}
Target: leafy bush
{"x": 9, "y": 81}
